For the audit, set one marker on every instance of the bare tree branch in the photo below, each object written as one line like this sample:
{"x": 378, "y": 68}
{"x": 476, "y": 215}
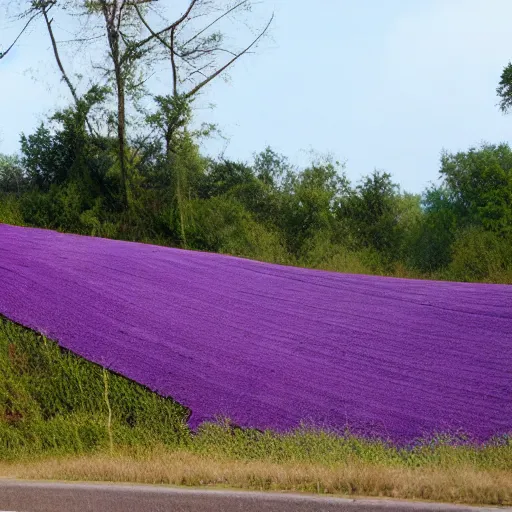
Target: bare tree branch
{"x": 200, "y": 70}
{"x": 215, "y": 21}
{"x": 44, "y": 10}
{"x": 2, "y": 55}
{"x": 235, "y": 58}
{"x": 173, "y": 65}
{"x": 154, "y": 35}
{"x": 185, "y": 14}
{"x": 80, "y": 40}
{"x": 169, "y": 46}
{"x": 200, "y": 52}
{"x": 202, "y": 49}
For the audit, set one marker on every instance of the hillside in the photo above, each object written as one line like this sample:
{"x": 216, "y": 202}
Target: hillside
{"x": 270, "y": 346}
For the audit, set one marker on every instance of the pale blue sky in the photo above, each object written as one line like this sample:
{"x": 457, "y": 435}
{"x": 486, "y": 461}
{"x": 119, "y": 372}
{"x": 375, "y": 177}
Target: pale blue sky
{"x": 383, "y": 84}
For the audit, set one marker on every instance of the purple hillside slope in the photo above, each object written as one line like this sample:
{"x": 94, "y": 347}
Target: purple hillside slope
{"x": 270, "y": 346}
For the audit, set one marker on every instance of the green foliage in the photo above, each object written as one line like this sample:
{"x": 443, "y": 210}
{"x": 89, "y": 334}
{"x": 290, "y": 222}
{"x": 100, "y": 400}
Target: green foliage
{"x": 59, "y": 208}
{"x": 430, "y": 240}
{"x": 504, "y": 89}
{"x": 12, "y": 175}
{"x": 479, "y": 184}
{"x": 264, "y": 203}
{"x": 222, "y": 225}
{"x": 186, "y": 167}
{"x": 223, "y": 176}
{"x": 45, "y": 158}
{"x": 322, "y": 253}
{"x": 171, "y": 118}
{"x": 480, "y": 255}
{"x": 308, "y": 203}
{"x": 68, "y": 153}
{"x": 52, "y": 401}
{"x": 372, "y": 214}
{"x": 10, "y": 212}
{"x": 271, "y": 168}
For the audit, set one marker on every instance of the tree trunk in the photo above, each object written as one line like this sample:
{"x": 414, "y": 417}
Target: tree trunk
{"x": 178, "y": 185}
{"x": 121, "y": 136}
{"x": 121, "y": 117}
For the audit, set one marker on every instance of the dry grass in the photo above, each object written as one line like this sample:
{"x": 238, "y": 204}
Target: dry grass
{"x": 458, "y": 484}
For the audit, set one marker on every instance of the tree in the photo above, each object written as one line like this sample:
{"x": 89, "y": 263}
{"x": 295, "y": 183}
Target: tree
{"x": 221, "y": 177}
{"x": 66, "y": 152}
{"x": 310, "y": 200}
{"x": 271, "y": 167}
{"x": 45, "y": 158}
{"x": 12, "y": 175}
{"x": 120, "y": 32}
{"x": 504, "y": 89}
{"x": 190, "y": 56}
{"x": 479, "y": 185}
{"x": 372, "y": 214}
{"x": 430, "y": 243}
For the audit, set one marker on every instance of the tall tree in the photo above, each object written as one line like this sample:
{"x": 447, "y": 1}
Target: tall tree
{"x": 191, "y": 53}
{"x": 195, "y": 59}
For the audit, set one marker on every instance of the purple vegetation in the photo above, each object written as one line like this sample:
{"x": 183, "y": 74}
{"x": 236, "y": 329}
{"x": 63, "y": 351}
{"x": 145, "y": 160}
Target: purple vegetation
{"x": 270, "y": 346}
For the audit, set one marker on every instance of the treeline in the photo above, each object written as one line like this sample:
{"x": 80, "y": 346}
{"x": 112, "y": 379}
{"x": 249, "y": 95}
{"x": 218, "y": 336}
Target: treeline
{"x": 124, "y": 162}
{"x": 68, "y": 179}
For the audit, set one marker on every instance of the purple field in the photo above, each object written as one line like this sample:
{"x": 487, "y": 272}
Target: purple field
{"x": 270, "y": 346}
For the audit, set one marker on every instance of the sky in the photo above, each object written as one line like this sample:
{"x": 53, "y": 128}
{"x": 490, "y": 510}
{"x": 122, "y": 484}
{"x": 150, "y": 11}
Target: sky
{"x": 377, "y": 84}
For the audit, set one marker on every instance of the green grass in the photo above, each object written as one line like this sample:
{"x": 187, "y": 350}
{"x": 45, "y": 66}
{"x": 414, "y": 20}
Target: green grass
{"x": 53, "y": 402}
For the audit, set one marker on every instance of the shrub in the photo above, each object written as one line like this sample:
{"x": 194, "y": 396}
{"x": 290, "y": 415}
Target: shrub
{"x": 480, "y": 255}
{"x": 223, "y": 225}
{"x": 10, "y": 212}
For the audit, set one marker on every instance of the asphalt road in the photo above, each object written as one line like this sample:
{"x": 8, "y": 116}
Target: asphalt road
{"x": 72, "y": 497}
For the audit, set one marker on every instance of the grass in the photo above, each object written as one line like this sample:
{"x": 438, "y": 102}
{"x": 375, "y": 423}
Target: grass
{"x": 461, "y": 484}
{"x": 62, "y": 417}
{"x": 53, "y": 402}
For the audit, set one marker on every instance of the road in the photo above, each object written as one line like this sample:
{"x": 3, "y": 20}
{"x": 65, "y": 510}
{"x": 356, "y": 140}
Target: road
{"x": 78, "y": 497}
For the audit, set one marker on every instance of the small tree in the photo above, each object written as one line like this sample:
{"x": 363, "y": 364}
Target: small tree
{"x": 479, "y": 184}
{"x": 504, "y": 89}
{"x": 310, "y": 199}
{"x": 12, "y": 175}
{"x": 271, "y": 168}
{"x": 372, "y": 214}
